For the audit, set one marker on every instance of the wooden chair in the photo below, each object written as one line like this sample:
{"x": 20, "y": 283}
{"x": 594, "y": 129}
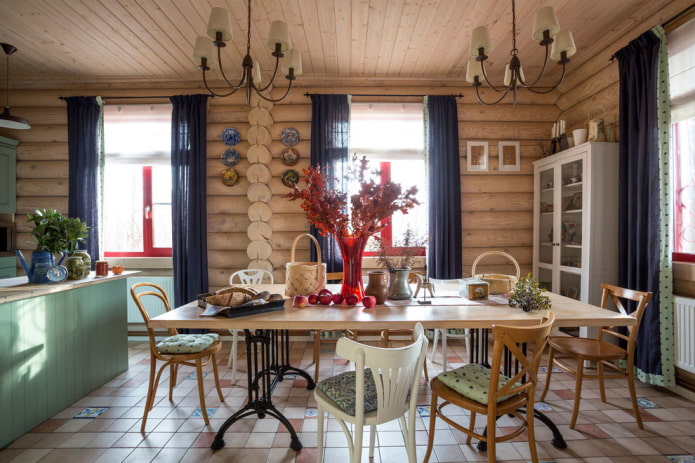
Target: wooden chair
{"x": 605, "y": 353}
{"x": 206, "y": 345}
{"x": 383, "y": 387}
{"x": 386, "y": 342}
{"x": 251, "y": 276}
{"x": 487, "y": 391}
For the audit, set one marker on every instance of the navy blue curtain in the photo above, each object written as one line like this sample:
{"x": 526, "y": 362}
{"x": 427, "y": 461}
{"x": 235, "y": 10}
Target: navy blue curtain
{"x": 444, "y": 200}
{"x": 639, "y": 192}
{"x": 189, "y": 214}
{"x": 84, "y": 152}
{"x": 330, "y": 121}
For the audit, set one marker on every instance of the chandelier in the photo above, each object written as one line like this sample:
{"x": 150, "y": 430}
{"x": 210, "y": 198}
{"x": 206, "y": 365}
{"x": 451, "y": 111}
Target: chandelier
{"x": 220, "y": 31}
{"x": 7, "y": 120}
{"x": 559, "y": 46}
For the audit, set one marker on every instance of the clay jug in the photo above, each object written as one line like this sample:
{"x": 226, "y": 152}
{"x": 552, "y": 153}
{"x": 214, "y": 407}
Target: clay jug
{"x": 377, "y": 285}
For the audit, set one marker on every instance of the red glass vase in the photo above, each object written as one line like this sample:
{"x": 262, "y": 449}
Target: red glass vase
{"x": 351, "y": 249}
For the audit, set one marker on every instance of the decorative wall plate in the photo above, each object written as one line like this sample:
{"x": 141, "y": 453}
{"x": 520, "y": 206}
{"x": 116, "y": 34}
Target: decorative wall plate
{"x": 290, "y": 156}
{"x": 230, "y": 177}
{"x": 290, "y": 177}
{"x": 230, "y": 136}
{"x": 230, "y": 157}
{"x": 290, "y": 136}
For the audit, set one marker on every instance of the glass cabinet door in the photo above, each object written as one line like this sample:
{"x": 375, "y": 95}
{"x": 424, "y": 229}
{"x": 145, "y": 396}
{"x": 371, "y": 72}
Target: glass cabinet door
{"x": 546, "y": 238}
{"x": 571, "y": 214}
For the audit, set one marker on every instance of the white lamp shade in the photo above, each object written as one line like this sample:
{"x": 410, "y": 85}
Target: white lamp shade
{"x": 563, "y": 42}
{"x": 203, "y": 49}
{"x": 219, "y": 22}
{"x": 474, "y": 69}
{"x": 480, "y": 38}
{"x": 545, "y": 20}
{"x": 293, "y": 59}
{"x": 508, "y": 75}
{"x": 256, "y": 74}
{"x": 279, "y": 34}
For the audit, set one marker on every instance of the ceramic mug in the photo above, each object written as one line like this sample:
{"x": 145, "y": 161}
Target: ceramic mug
{"x": 102, "y": 268}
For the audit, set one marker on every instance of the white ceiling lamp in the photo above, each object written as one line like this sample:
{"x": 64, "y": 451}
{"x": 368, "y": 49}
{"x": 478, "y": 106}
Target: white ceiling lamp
{"x": 7, "y": 120}
{"x": 219, "y": 30}
{"x": 559, "y": 46}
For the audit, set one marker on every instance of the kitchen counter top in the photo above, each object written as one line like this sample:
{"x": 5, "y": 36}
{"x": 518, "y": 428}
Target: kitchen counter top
{"x": 18, "y": 288}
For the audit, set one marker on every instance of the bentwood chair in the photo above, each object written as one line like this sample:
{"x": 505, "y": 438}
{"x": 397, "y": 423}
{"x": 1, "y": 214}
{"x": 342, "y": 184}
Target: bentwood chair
{"x": 483, "y": 390}
{"x": 195, "y": 350}
{"x": 445, "y": 334}
{"x": 619, "y": 359}
{"x": 383, "y": 387}
{"x": 251, "y": 276}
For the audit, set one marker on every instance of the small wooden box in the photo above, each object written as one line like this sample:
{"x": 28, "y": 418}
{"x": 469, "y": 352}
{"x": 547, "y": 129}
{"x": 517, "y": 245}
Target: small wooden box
{"x": 474, "y": 289}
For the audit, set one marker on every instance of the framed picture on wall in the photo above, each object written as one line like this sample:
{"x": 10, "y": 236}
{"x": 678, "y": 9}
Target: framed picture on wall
{"x": 477, "y": 155}
{"x": 509, "y": 155}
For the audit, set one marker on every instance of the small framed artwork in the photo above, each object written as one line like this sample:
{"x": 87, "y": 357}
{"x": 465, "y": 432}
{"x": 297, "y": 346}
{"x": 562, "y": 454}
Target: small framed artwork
{"x": 477, "y": 155}
{"x": 510, "y": 158}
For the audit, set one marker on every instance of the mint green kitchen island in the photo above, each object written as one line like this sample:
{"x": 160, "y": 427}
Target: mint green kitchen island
{"x": 58, "y": 343}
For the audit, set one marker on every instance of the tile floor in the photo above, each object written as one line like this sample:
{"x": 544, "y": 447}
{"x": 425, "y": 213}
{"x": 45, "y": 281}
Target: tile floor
{"x": 104, "y": 426}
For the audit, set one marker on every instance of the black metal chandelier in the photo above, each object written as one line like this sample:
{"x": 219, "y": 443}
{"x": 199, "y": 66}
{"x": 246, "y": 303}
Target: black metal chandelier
{"x": 219, "y": 30}
{"x": 559, "y": 46}
{"x": 7, "y": 120}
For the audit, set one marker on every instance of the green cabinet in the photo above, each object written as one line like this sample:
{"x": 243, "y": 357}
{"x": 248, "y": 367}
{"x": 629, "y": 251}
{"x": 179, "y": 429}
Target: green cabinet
{"x": 8, "y": 266}
{"x": 8, "y": 175}
{"x": 57, "y": 348}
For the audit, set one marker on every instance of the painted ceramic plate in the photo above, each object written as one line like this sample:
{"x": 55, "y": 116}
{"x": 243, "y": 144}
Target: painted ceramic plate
{"x": 230, "y": 136}
{"x": 230, "y": 177}
{"x": 230, "y": 157}
{"x": 290, "y": 177}
{"x": 290, "y": 136}
{"x": 290, "y": 156}
{"x": 57, "y": 274}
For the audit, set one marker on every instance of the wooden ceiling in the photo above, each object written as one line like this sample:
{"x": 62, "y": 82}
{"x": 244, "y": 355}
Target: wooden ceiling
{"x": 151, "y": 40}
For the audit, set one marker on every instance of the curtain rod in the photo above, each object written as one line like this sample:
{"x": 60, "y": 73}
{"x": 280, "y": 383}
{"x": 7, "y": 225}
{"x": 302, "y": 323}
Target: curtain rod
{"x": 307, "y": 94}
{"x": 132, "y": 97}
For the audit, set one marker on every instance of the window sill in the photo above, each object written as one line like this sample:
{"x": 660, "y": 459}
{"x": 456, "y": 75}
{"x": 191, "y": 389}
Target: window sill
{"x": 142, "y": 263}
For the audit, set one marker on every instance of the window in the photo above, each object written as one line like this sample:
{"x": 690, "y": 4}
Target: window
{"x": 681, "y": 50}
{"x": 137, "y": 181}
{"x": 392, "y": 137}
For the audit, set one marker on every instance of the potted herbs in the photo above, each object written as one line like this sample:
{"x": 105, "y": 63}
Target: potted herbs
{"x": 528, "y": 296}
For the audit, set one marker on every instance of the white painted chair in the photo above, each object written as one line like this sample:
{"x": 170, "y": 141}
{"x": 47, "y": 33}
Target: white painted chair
{"x": 447, "y": 285}
{"x": 383, "y": 387}
{"x": 251, "y": 276}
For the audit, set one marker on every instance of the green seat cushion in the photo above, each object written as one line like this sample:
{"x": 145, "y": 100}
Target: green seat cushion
{"x": 186, "y": 343}
{"x": 341, "y": 390}
{"x": 472, "y": 381}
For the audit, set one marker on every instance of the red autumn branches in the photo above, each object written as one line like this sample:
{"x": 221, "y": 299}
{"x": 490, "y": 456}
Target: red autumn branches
{"x": 370, "y": 208}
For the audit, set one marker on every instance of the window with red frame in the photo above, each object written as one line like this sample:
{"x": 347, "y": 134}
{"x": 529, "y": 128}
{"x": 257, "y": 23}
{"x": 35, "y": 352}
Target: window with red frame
{"x": 681, "y": 49}
{"x": 392, "y": 137}
{"x": 137, "y": 181}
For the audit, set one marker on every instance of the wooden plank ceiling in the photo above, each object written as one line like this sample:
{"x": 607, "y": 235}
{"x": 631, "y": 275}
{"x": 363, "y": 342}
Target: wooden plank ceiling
{"x": 138, "y": 40}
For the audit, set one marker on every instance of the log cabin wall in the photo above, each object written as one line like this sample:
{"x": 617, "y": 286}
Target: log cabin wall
{"x": 496, "y": 206}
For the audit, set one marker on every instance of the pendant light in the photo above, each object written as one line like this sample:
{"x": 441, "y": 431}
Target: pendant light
{"x": 7, "y": 120}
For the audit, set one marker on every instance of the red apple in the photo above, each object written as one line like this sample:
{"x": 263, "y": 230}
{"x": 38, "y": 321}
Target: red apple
{"x": 326, "y": 299}
{"x": 337, "y": 298}
{"x": 325, "y": 291}
{"x": 313, "y": 298}
{"x": 352, "y": 299}
{"x": 300, "y": 301}
{"x": 369, "y": 301}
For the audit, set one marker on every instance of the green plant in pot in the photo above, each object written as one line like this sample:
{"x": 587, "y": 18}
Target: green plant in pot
{"x": 528, "y": 295}
{"x": 52, "y": 234}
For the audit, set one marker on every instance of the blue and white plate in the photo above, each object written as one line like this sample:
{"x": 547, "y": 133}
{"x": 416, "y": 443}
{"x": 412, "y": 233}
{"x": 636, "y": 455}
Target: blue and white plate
{"x": 57, "y": 274}
{"x": 230, "y": 157}
{"x": 290, "y": 136}
{"x": 230, "y": 136}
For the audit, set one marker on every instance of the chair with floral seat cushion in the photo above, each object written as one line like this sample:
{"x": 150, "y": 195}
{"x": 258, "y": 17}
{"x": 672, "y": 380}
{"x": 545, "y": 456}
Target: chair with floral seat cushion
{"x": 605, "y": 353}
{"x": 383, "y": 387}
{"x": 251, "y": 276}
{"x": 195, "y": 350}
{"x": 487, "y": 391}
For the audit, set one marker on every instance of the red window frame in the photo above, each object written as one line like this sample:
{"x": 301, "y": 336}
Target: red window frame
{"x": 147, "y": 224}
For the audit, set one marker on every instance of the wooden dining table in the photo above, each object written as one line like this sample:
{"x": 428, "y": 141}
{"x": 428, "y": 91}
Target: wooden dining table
{"x": 267, "y": 334}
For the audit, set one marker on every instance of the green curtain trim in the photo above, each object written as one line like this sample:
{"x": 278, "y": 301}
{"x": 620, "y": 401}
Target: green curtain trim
{"x": 665, "y": 302}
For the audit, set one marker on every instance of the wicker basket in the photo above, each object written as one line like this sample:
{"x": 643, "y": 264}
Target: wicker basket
{"x": 305, "y": 278}
{"x": 499, "y": 284}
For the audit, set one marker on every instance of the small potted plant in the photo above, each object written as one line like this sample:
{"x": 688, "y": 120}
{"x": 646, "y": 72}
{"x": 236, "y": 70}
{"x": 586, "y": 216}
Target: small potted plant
{"x": 52, "y": 234}
{"x": 528, "y": 295}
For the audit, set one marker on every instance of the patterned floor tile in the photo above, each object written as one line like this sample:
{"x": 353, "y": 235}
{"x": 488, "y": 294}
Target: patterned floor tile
{"x": 93, "y": 412}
